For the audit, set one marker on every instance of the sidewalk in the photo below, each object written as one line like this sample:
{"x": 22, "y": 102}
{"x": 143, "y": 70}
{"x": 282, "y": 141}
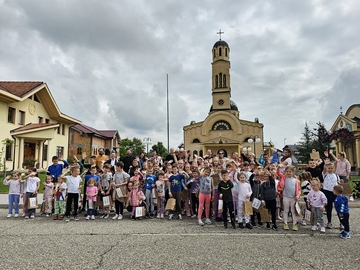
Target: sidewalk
{"x": 4, "y": 201}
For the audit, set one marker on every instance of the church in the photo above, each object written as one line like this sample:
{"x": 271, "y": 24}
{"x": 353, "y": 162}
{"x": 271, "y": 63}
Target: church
{"x": 223, "y": 129}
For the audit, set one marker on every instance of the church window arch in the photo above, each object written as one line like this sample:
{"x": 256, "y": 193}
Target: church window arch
{"x": 221, "y": 125}
{"x": 196, "y": 141}
{"x": 220, "y": 80}
{"x": 224, "y": 80}
{"x": 226, "y": 52}
{"x": 219, "y": 51}
{"x": 216, "y": 81}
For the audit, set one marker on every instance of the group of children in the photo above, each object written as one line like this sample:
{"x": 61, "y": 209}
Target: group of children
{"x": 221, "y": 191}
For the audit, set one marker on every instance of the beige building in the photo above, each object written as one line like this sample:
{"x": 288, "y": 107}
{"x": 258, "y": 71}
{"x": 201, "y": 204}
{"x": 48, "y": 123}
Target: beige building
{"x": 223, "y": 128}
{"x": 32, "y": 121}
{"x": 351, "y": 121}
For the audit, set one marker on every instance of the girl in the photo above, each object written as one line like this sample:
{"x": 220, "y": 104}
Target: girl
{"x": 317, "y": 201}
{"x": 286, "y": 159}
{"x": 136, "y": 198}
{"x": 186, "y": 190}
{"x": 268, "y": 198}
{"x": 91, "y": 193}
{"x": 305, "y": 179}
{"x": 60, "y": 194}
{"x": 48, "y": 195}
{"x": 274, "y": 175}
{"x": 14, "y": 192}
{"x": 74, "y": 185}
{"x": 32, "y": 187}
{"x": 233, "y": 174}
{"x": 330, "y": 181}
{"x": 244, "y": 194}
{"x": 194, "y": 188}
{"x": 206, "y": 194}
{"x": 289, "y": 188}
{"x": 160, "y": 188}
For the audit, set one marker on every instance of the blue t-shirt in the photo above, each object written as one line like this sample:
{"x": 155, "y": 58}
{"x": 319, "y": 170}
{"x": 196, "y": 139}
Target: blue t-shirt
{"x": 175, "y": 182}
{"x": 88, "y": 176}
{"x": 149, "y": 181}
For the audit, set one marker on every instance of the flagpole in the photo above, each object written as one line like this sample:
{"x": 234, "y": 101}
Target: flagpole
{"x": 167, "y": 109}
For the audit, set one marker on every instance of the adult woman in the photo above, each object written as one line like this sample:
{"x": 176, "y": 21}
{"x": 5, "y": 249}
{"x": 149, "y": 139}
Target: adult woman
{"x": 286, "y": 159}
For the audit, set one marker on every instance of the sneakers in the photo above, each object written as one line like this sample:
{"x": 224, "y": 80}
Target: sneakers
{"x": 241, "y": 225}
{"x": 120, "y": 217}
{"x": 248, "y": 225}
{"x": 268, "y": 226}
{"x": 158, "y": 216}
{"x": 162, "y": 216}
{"x": 8, "y": 216}
{"x": 180, "y": 216}
{"x": 171, "y": 216}
{"x": 303, "y": 222}
{"x": 103, "y": 215}
{"x": 193, "y": 216}
{"x": 76, "y": 218}
{"x": 253, "y": 224}
{"x": 200, "y": 222}
{"x": 208, "y": 221}
{"x": 322, "y": 229}
{"x": 61, "y": 218}
{"x": 225, "y": 225}
{"x": 87, "y": 217}
{"x": 286, "y": 226}
{"x": 106, "y": 215}
{"x": 329, "y": 225}
{"x": 314, "y": 228}
{"x": 47, "y": 215}
{"x": 351, "y": 199}
{"x": 32, "y": 217}
{"x": 56, "y": 217}
{"x": 16, "y": 215}
{"x": 274, "y": 227}
{"x": 260, "y": 224}
{"x": 116, "y": 216}
{"x": 92, "y": 217}
{"x": 345, "y": 235}
{"x": 295, "y": 227}
{"x": 26, "y": 217}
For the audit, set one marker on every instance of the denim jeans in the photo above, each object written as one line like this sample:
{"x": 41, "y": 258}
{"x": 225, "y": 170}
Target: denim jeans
{"x": 14, "y": 199}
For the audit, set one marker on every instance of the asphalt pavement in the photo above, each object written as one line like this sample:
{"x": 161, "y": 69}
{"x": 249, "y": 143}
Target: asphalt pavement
{"x": 43, "y": 243}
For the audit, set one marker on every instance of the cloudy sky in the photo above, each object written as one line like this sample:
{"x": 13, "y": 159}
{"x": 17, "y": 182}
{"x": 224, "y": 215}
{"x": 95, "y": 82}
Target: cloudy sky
{"x": 105, "y": 62}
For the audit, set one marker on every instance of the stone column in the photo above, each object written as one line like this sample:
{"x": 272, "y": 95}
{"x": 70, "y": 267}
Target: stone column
{"x": 21, "y": 153}
{"x": 48, "y": 153}
{"x": 40, "y": 155}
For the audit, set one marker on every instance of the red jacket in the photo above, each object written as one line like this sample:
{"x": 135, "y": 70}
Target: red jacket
{"x": 281, "y": 184}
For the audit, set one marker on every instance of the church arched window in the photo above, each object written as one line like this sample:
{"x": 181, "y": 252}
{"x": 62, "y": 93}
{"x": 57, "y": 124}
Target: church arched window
{"x": 221, "y": 125}
{"x": 226, "y": 52}
{"x": 216, "y": 81}
{"x": 219, "y": 51}
{"x": 220, "y": 80}
{"x": 196, "y": 141}
{"x": 224, "y": 80}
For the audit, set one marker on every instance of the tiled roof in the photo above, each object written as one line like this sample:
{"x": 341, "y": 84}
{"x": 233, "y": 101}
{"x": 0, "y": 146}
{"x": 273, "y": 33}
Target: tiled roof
{"x": 108, "y": 133}
{"x": 18, "y": 88}
{"x": 86, "y": 129}
{"x": 31, "y": 126}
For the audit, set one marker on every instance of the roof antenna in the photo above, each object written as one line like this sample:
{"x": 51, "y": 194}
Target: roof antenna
{"x": 341, "y": 112}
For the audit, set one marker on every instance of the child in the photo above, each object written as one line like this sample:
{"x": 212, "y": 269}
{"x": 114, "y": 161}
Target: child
{"x": 342, "y": 209}
{"x": 289, "y": 188}
{"x": 206, "y": 194}
{"x": 48, "y": 195}
{"x": 217, "y": 179}
{"x": 194, "y": 188}
{"x": 60, "y": 193}
{"x": 105, "y": 187}
{"x": 150, "y": 180}
{"x": 317, "y": 201}
{"x": 244, "y": 194}
{"x": 268, "y": 198}
{"x": 305, "y": 179}
{"x": 14, "y": 193}
{"x": 174, "y": 186}
{"x": 330, "y": 181}
{"x": 120, "y": 178}
{"x": 32, "y": 187}
{"x": 55, "y": 169}
{"x": 255, "y": 182}
{"x": 91, "y": 193}
{"x": 136, "y": 198}
{"x": 73, "y": 186}
{"x": 225, "y": 194}
{"x": 160, "y": 188}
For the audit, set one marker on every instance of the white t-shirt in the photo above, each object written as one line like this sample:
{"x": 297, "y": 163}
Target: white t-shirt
{"x": 73, "y": 183}
{"x": 31, "y": 184}
{"x": 63, "y": 192}
{"x": 289, "y": 162}
{"x": 330, "y": 180}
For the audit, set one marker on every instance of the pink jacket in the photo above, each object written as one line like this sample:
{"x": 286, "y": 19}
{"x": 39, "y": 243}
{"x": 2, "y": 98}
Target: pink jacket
{"x": 281, "y": 184}
{"x": 135, "y": 197}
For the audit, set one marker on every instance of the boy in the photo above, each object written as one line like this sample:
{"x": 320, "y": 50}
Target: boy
{"x": 225, "y": 194}
{"x": 55, "y": 170}
{"x": 120, "y": 178}
{"x": 150, "y": 180}
{"x": 174, "y": 186}
{"x": 74, "y": 185}
{"x": 105, "y": 187}
{"x": 342, "y": 209}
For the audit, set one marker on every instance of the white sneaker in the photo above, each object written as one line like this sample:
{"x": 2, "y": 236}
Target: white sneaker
{"x": 116, "y": 216}
{"x": 180, "y": 216}
{"x": 314, "y": 228}
{"x": 171, "y": 216}
{"x": 303, "y": 223}
{"x": 322, "y": 230}
{"x": 120, "y": 216}
{"x": 200, "y": 222}
{"x": 208, "y": 221}
{"x": 16, "y": 215}
{"x": 9, "y": 215}
{"x": 351, "y": 199}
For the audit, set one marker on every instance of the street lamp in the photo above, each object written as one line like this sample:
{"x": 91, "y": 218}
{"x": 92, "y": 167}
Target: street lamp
{"x": 148, "y": 142}
{"x": 247, "y": 149}
{"x": 254, "y": 140}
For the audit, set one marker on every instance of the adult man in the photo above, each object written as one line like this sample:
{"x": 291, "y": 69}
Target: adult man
{"x": 155, "y": 158}
{"x": 127, "y": 160}
{"x": 112, "y": 160}
{"x": 171, "y": 156}
{"x": 101, "y": 158}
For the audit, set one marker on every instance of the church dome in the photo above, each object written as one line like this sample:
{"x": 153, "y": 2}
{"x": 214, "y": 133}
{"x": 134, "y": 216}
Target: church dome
{"x": 220, "y": 43}
{"x": 233, "y": 106}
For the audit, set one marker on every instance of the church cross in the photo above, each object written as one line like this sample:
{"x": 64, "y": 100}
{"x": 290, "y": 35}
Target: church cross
{"x": 219, "y": 33}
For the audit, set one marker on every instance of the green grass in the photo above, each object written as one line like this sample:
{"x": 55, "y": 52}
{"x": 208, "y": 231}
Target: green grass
{"x": 5, "y": 189}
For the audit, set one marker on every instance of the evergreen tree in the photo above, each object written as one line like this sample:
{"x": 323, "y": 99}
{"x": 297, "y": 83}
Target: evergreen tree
{"x": 306, "y": 145}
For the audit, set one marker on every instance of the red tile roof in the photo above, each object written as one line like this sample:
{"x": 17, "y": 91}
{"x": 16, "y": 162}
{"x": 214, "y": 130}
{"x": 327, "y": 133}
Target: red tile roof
{"x": 31, "y": 126}
{"x": 86, "y": 129}
{"x": 18, "y": 88}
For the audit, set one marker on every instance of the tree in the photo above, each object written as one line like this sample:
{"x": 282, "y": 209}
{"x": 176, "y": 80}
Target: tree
{"x": 345, "y": 136}
{"x": 322, "y": 138}
{"x": 306, "y": 145}
{"x": 160, "y": 149}
{"x": 135, "y": 145}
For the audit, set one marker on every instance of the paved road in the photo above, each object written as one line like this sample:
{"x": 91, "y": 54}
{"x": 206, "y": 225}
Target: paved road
{"x": 162, "y": 244}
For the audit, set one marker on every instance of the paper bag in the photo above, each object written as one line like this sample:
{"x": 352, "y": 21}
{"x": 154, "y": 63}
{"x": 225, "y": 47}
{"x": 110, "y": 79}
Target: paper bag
{"x": 90, "y": 204}
{"x": 121, "y": 192}
{"x": 309, "y": 216}
{"x": 347, "y": 189}
{"x": 264, "y": 215}
{"x": 297, "y": 209}
{"x": 32, "y": 203}
{"x": 256, "y": 203}
{"x": 106, "y": 201}
{"x": 220, "y": 206}
{"x": 140, "y": 211}
{"x": 184, "y": 195}
{"x": 314, "y": 155}
{"x": 170, "y": 205}
{"x": 247, "y": 209}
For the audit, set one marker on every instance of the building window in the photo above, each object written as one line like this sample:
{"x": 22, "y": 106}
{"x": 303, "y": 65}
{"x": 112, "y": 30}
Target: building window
{"x": 59, "y": 151}
{"x": 11, "y": 115}
{"x": 8, "y": 155}
{"x": 21, "y": 118}
{"x": 45, "y": 152}
{"x": 224, "y": 80}
{"x": 196, "y": 141}
{"x": 58, "y": 129}
{"x": 40, "y": 119}
{"x": 220, "y": 80}
{"x": 79, "y": 151}
{"x": 226, "y": 52}
{"x": 47, "y": 121}
{"x": 63, "y": 129}
{"x": 201, "y": 153}
{"x": 219, "y": 51}
{"x": 195, "y": 152}
{"x": 216, "y": 81}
